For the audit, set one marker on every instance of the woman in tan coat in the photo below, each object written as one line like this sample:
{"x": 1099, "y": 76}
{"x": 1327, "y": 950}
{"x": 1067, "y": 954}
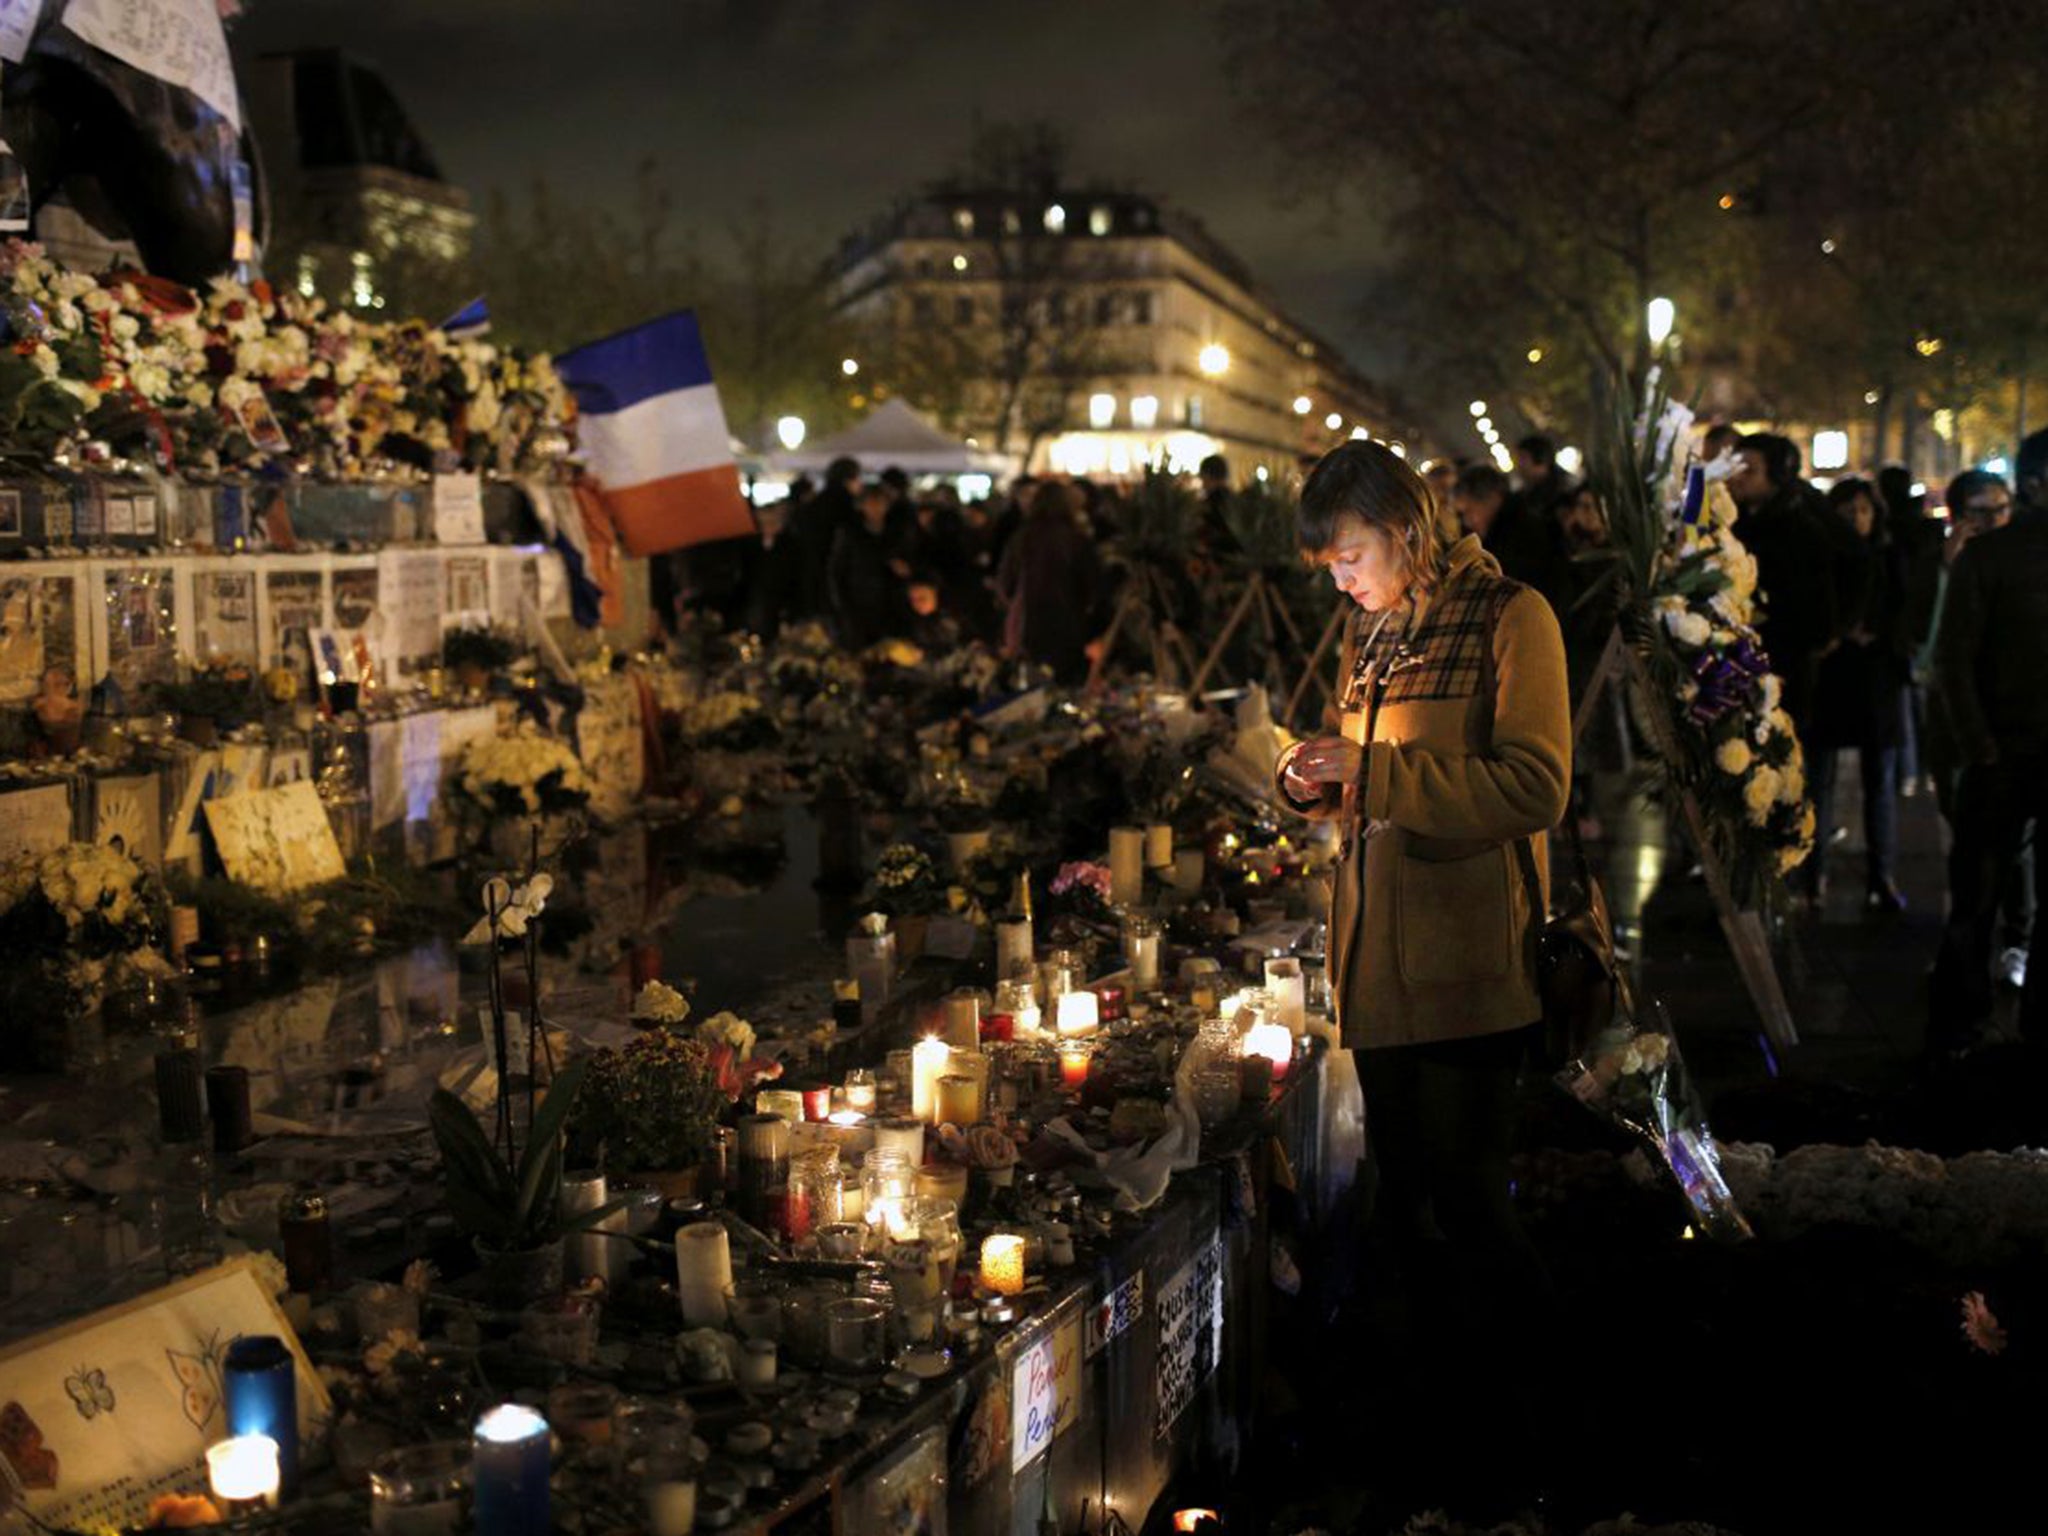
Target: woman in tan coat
{"x": 1453, "y": 762}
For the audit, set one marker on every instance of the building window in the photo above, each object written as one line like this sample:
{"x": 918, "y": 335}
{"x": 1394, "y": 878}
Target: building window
{"x": 1098, "y": 219}
{"x": 1055, "y": 220}
{"x": 1141, "y": 309}
{"x": 1191, "y": 411}
{"x": 924, "y": 266}
{"x": 1013, "y": 222}
{"x": 1144, "y": 411}
{"x": 963, "y": 223}
{"x": 1105, "y": 309}
{"x": 963, "y": 311}
{"x": 923, "y": 310}
{"x": 1101, "y": 411}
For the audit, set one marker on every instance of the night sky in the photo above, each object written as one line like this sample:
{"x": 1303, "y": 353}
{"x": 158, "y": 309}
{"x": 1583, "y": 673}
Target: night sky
{"x": 825, "y": 111}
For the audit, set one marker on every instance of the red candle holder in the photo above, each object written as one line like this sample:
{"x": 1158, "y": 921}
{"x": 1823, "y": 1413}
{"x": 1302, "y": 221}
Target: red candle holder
{"x": 998, "y": 1026}
{"x": 817, "y": 1101}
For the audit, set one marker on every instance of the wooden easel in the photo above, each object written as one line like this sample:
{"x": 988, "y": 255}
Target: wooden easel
{"x": 1145, "y": 600}
{"x": 1313, "y": 671}
{"x": 1274, "y": 619}
{"x": 1742, "y": 927}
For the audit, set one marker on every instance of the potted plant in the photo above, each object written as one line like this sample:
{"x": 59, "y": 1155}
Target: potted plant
{"x": 907, "y": 886}
{"x": 217, "y": 697}
{"x": 652, "y": 1108}
{"x": 509, "y": 1199}
{"x": 473, "y": 655}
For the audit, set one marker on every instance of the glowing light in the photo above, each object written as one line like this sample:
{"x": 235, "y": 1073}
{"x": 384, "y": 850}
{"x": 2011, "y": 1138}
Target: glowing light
{"x": 1997, "y": 466}
{"x": 1535, "y": 354}
{"x": 789, "y": 430}
{"x": 1927, "y": 346}
{"x": 1274, "y": 1042}
{"x": 1478, "y": 408}
{"x": 1098, "y": 220}
{"x": 1485, "y": 425}
{"x": 1570, "y": 460}
{"x": 1830, "y": 450}
{"x": 848, "y": 366}
{"x": 1333, "y": 421}
{"x": 1213, "y": 359}
{"x": 244, "y": 1469}
{"x": 1503, "y": 458}
{"x": 1399, "y": 450}
{"x": 1727, "y": 201}
{"x": 1827, "y": 247}
{"x": 1144, "y": 410}
{"x": 1661, "y": 316}
{"x": 960, "y": 263}
{"x": 1262, "y": 474}
{"x": 1101, "y": 411}
{"x": 1002, "y": 1263}
{"x": 1871, "y": 397}
{"x": 1303, "y": 405}
{"x": 1056, "y": 220}
{"x": 1360, "y": 435}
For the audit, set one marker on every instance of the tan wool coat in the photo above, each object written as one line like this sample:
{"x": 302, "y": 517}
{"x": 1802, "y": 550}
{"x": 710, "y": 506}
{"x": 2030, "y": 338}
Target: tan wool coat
{"x": 1431, "y": 927}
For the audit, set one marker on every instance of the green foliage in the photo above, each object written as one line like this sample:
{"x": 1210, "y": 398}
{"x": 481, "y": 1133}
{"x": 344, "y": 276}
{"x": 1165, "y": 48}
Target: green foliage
{"x": 510, "y": 1205}
{"x": 225, "y": 695}
{"x": 1160, "y": 521}
{"x": 476, "y": 648}
{"x": 651, "y": 1107}
{"x": 324, "y": 927}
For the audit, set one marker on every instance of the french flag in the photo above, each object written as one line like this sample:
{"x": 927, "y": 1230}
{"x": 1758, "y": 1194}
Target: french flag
{"x": 470, "y": 322}
{"x": 653, "y": 432}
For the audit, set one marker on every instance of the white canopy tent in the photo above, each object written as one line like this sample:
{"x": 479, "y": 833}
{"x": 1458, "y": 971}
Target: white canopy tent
{"x": 892, "y": 434}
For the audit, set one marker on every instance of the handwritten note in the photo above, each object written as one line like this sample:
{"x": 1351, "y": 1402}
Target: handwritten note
{"x": 409, "y": 592}
{"x": 180, "y": 41}
{"x": 1190, "y": 1314}
{"x": 276, "y": 840}
{"x": 1112, "y": 1316}
{"x": 1045, "y": 1390}
{"x": 34, "y": 820}
{"x": 458, "y": 509}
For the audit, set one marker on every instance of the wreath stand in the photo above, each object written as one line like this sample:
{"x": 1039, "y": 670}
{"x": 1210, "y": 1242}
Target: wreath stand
{"x": 1145, "y": 600}
{"x": 1742, "y": 927}
{"x": 1259, "y": 599}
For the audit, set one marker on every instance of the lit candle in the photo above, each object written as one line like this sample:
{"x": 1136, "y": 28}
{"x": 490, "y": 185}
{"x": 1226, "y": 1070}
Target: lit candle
{"x": 1074, "y": 1061}
{"x": 1141, "y": 950}
{"x": 511, "y": 1460}
{"x": 1159, "y": 846}
{"x": 1284, "y": 984}
{"x": 958, "y": 1101}
{"x": 1272, "y": 1041}
{"x": 817, "y": 1101}
{"x": 850, "y": 1132}
{"x": 963, "y": 1019}
{"x": 243, "y": 1473}
{"x": 1080, "y": 1015}
{"x": 703, "y": 1273}
{"x": 1030, "y": 1021}
{"x": 1002, "y": 1263}
{"x": 1126, "y": 865}
{"x": 861, "y": 1093}
{"x": 930, "y": 1060}
{"x": 905, "y": 1137}
{"x": 260, "y": 1381}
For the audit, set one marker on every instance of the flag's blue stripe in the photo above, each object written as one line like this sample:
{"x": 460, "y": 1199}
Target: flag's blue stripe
{"x": 657, "y": 358}
{"x": 468, "y": 318}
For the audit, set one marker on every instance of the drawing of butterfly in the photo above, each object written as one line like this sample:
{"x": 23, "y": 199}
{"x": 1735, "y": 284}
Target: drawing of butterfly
{"x": 199, "y": 1377}
{"x": 89, "y": 1392}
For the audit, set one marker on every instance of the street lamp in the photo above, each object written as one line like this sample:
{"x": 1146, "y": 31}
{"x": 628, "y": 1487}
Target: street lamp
{"x": 790, "y": 429}
{"x": 1213, "y": 359}
{"x": 848, "y": 367}
{"x": 1333, "y": 421}
{"x": 1485, "y": 425}
{"x": 1478, "y": 408}
{"x": 1662, "y": 315}
{"x": 1303, "y": 405}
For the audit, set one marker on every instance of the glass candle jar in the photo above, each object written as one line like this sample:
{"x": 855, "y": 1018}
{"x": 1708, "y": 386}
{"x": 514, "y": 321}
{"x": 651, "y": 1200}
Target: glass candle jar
{"x": 857, "y": 1331}
{"x": 421, "y": 1490}
{"x": 887, "y": 1181}
{"x": 861, "y": 1091}
{"x": 813, "y": 1195}
{"x": 936, "y": 1221}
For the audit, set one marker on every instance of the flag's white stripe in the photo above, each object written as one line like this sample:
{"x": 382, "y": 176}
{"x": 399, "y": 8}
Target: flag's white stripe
{"x": 663, "y": 435}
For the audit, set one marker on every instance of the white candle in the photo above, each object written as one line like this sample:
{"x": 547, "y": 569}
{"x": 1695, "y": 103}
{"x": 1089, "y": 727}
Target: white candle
{"x": 1284, "y": 984}
{"x": 672, "y": 1508}
{"x": 902, "y": 1136}
{"x": 1126, "y": 865}
{"x": 930, "y": 1060}
{"x": 1141, "y": 944}
{"x": 244, "y": 1471}
{"x": 1080, "y": 1014}
{"x": 963, "y": 1019}
{"x": 1272, "y": 1041}
{"x": 1159, "y": 846}
{"x": 757, "y": 1363}
{"x": 703, "y": 1273}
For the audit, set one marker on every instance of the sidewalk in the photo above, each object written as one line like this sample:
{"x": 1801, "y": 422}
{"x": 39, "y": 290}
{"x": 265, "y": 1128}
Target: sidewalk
{"x": 1857, "y": 984}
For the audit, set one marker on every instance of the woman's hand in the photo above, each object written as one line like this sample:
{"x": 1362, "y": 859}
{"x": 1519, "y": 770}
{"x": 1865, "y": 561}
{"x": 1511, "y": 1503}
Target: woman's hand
{"x": 1324, "y": 760}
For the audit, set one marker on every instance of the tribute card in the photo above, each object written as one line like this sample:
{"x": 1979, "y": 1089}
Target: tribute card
{"x": 39, "y": 629}
{"x": 34, "y": 820}
{"x": 458, "y": 509}
{"x": 224, "y": 613}
{"x": 276, "y": 840}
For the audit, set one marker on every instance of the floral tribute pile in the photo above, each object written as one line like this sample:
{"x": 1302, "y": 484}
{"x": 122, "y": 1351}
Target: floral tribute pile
{"x": 240, "y": 376}
{"x": 79, "y": 923}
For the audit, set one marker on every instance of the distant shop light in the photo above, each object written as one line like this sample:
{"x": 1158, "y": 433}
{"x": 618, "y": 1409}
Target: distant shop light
{"x": 848, "y": 366}
{"x": 1144, "y": 411}
{"x": 1997, "y": 465}
{"x": 789, "y": 431}
{"x": 1213, "y": 359}
{"x": 1262, "y": 473}
{"x": 1101, "y": 411}
{"x": 960, "y": 262}
{"x": 1333, "y": 421}
{"x": 1055, "y": 220}
{"x": 1478, "y": 408}
{"x": 1098, "y": 219}
{"x": 1485, "y": 425}
{"x": 1830, "y": 450}
{"x": 1570, "y": 460}
{"x": 1303, "y": 405}
{"x": 1360, "y": 435}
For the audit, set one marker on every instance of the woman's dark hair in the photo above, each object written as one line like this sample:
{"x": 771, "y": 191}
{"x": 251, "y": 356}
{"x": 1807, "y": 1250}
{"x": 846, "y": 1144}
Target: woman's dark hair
{"x": 1050, "y": 501}
{"x": 1845, "y": 491}
{"x": 1368, "y": 481}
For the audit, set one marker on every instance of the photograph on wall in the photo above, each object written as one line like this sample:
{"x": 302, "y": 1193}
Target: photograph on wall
{"x": 355, "y": 597}
{"x": 224, "y": 616}
{"x": 38, "y": 631}
{"x": 141, "y": 627}
{"x": 468, "y": 589}
{"x": 297, "y": 605}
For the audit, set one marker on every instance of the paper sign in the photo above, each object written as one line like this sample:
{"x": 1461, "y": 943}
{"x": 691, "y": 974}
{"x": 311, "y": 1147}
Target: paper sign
{"x": 458, "y": 509}
{"x": 224, "y": 615}
{"x": 1045, "y": 1390}
{"x": 34, "y": 820}
{"x": 409, "y": 593}
{"x": 38, "y": 630}
{"x": 276, "y": 840}
{"x": 120, "y": 517}
{"x": 420, "y": 759}
{"x": 100, "y": 1416}
{"x": 128, "y": 814}
{"x": 17, "y": 27}
{"x": 180, "y": 41}
{"x": 1190, "y": 1310}
{"x": 1110, "y": 1317}
{"x": 387, "y": 774}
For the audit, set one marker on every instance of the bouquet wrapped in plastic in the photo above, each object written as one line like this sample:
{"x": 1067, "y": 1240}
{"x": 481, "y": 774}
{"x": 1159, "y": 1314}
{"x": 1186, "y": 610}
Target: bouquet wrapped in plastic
{"x": 1635, "y": 1077}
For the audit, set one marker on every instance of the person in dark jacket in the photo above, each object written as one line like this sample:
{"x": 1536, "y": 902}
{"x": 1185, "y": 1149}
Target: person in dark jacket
{"x": 1991, "y": 665}
{"x": 865, "y": 592}
{"x": 1519, "y": 529}
{"x": 1051, "y": 582}
{"x": 816, "y": 526}
{"x": 1795, "y": 560}
{"x": 1857, "y": 696}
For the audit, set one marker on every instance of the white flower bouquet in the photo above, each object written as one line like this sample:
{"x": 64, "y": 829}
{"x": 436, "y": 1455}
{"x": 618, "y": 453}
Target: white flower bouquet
{"x": 76, "y": 922}
{"x": 1635, "y": 1077}
{"x": 526, "y": 774}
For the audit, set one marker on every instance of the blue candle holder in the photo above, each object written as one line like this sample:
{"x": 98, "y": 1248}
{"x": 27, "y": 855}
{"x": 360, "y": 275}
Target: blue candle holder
{"x": 262, "y": 1398}
{"x": 512, "y": 1469}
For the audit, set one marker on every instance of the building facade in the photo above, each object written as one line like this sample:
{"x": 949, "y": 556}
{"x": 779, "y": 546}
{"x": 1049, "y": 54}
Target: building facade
{"x": 1096, "y": 333}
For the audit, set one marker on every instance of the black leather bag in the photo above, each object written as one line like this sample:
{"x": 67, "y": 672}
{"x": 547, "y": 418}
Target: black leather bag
{"x": 1577, "y": 977}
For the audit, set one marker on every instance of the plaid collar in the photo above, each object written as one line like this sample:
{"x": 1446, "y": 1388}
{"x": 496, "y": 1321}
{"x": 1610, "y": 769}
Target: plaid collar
{"x": 1435, "y": 651}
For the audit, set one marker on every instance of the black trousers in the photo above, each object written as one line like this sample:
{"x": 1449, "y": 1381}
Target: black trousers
{"x": 1992, "y": 809}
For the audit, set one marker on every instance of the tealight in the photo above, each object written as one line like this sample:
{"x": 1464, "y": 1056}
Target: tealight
{"x": 1002, "y": 1263}
{"x": 1074, "y": 1060}
{"x": 1275, "y": 1042}
{"x": 243, "y": 1473}
{"x": 1080, "y": 1013}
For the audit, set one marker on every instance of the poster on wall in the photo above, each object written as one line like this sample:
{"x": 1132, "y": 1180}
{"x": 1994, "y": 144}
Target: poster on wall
{"x": 467, "y": 600}
{"x": 1190, "y": 1312}
{"x": 409, "y": 596}
{"x": 224, "y": 614}
{"x": 294, "y": 605}
{"x": 355, "y": 592}
{"x": 40, "y": 624}
{"x": 128, "y": 814}
{"x": 135, "y": 627}
{"x": 515, "y": 586}
{"x": 100, "y": 1416}
{"x": 34, "y": 820}
{"x": 905, "y": 1495}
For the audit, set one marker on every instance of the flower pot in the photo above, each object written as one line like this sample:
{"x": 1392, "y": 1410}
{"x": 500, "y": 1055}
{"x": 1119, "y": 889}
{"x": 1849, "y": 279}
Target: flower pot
{"x": 512, "y": 1277}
